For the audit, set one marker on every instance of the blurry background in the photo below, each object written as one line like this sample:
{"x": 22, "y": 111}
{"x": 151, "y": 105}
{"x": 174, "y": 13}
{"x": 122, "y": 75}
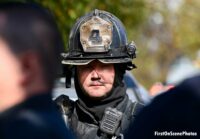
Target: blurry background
{"x": 166, "y": 33}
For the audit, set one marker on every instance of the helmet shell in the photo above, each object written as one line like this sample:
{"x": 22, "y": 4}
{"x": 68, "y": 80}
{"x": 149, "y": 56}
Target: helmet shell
{"x": 98, "y": 35}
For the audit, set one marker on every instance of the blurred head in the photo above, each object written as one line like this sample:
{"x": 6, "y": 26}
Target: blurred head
{"x": 31, "y": 32}
{"x": 31, "y": 41}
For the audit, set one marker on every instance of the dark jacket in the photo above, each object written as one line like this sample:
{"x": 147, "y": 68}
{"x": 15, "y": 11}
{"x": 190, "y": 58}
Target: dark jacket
{"x": 175, "y": 113}
{"x": 84, "y": 124}
{"x": 36, "y": 118}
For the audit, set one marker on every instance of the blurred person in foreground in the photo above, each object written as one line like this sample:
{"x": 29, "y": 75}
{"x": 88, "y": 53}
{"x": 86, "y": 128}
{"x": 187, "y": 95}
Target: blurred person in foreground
{"x": 30, "y": 45}
{"x": 99, "y": 55}
{"x": 174, "y": 113}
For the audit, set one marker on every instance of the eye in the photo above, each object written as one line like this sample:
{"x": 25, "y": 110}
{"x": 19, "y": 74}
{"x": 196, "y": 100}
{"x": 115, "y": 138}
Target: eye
{"x": 86, "y": 67}
{"x": 108, "y": 66}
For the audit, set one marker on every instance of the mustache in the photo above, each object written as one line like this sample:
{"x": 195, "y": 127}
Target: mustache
{"x": 97, "y": 82}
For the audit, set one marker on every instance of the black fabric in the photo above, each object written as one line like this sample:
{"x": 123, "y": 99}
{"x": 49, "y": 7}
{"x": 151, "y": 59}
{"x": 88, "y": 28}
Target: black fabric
{"x": 177, "y": 110}
{"x": 36, "y": 118}
{"x": 84, "y": 126}
{"x": 114, "y": 97}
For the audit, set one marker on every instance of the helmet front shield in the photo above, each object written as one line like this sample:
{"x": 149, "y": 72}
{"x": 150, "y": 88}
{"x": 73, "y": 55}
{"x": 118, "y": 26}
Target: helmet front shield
{"x": 96, "y": 35}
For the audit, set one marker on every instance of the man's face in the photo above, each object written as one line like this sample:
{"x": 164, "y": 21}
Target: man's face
{"x": 10, "y": 76}
{"x": 96, "y": 78}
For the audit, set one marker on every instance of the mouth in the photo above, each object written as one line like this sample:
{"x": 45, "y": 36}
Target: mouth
{"x": 96, "y": 84}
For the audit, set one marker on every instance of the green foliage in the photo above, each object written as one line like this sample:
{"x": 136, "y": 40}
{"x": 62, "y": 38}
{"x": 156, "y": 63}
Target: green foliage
{"x": 131, "y": 12}
{"x": 160, "y": 32}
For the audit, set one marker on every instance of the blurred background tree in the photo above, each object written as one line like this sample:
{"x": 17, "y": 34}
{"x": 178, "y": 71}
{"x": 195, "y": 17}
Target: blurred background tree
{"x": 162, "y": 29}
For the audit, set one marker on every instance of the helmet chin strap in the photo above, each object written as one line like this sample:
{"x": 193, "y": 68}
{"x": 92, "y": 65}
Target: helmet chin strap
{"x": 67, "y": 72}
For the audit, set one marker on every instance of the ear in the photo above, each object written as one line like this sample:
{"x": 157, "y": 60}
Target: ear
{"x": 30, "y": 65}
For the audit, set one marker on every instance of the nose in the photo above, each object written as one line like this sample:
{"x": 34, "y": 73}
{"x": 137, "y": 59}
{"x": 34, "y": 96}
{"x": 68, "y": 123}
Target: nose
{"x": 95, "y": 75}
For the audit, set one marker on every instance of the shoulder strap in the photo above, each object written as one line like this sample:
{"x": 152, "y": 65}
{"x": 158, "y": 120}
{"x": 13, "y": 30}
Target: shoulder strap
{"x": 130, "y": 114}
{"x": 135, "y": 108}
{"x": 65, "y": 106}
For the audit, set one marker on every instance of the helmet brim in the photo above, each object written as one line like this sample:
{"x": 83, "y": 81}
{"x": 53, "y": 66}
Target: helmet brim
{"x": 87, "y": 61}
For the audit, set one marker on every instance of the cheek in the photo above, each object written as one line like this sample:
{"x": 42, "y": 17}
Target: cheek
{"x": 109, "y": 75}
{"x": 8, "y": 65}
{"x": 10, "y": 73}
{"x": 111, "y": 78}
{"x": 82, "y": 77}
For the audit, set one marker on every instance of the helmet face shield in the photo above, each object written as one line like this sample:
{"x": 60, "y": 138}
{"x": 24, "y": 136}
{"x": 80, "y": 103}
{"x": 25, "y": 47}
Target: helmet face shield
{"x": 96, "y": 35}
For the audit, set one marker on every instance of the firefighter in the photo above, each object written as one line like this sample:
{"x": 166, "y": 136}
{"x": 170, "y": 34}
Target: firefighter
{"x": 98, "y": 56}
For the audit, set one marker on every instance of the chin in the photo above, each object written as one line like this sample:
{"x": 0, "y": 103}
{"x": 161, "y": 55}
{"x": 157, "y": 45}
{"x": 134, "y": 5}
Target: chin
{"x": 97, "y": 96}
